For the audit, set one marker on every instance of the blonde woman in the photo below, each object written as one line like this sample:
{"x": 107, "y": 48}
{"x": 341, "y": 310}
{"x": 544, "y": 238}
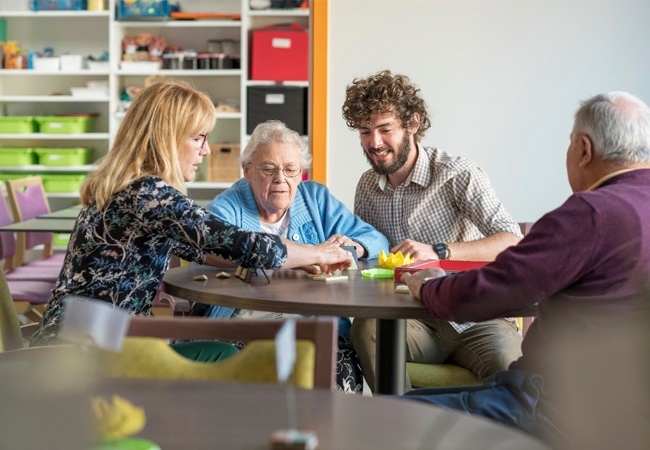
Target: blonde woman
{"x": 135, "y": 213}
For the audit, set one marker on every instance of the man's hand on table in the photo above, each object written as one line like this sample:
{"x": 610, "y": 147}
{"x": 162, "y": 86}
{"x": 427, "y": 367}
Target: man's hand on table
{"x": 416, "y": 280}
{"x": 417, "y": 250}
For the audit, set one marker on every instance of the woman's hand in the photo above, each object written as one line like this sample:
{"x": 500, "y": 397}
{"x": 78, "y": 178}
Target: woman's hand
{"x": 326, "y": 256}
{"x": 416, "y": 280}
{"x": 342, "y": 240}
{"x": 333, "y": 257}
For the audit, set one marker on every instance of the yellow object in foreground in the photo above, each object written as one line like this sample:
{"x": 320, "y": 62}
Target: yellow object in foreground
{"x": 393, "y": 260}
{"x": 117, "y": 420}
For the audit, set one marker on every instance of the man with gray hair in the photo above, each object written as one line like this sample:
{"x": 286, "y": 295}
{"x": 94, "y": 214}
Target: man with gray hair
{"x": 587, "y": 267}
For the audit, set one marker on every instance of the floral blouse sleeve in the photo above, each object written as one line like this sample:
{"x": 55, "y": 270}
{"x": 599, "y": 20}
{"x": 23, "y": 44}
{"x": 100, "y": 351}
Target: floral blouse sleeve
{"x": 120, "y": 254}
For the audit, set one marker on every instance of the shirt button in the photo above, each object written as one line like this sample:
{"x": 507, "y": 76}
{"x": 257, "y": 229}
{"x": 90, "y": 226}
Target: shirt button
{"x": 295, "y": 237}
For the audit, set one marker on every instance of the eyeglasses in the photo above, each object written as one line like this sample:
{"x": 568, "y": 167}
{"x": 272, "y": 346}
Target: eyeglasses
{"x": 270, "y": 170}
{"x": 205, "y": 139}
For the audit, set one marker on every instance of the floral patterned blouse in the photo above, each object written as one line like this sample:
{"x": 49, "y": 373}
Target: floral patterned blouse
{"x": 120, "y": 254}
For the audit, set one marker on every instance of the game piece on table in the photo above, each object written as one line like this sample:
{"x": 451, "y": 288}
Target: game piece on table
{"x": 222, "y": 275}
{"x": 402, "y": 289}
{"x": 201, "y": 277}
{"x": 329, "y": 277}
{"x": 293, "y": 440}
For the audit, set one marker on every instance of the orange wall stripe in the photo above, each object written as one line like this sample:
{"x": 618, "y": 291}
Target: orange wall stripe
{"x": 319, "y": 88}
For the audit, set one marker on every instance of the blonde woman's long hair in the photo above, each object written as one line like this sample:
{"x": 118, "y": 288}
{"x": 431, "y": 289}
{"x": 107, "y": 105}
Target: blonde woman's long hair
{"x": 158, "y": 121}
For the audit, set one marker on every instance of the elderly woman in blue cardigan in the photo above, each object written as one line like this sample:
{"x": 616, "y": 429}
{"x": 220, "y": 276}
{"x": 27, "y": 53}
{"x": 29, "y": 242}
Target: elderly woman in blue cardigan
{"x": 273, "y": 198}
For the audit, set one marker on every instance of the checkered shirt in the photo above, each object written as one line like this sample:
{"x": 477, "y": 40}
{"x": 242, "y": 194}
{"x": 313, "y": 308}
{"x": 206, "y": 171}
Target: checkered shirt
{"x": 445, "y": 199}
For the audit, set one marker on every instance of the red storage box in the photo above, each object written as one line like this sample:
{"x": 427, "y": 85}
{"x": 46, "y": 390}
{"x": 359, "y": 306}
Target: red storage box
{"x": 450, "y": 266}
{"x": 280, "y": 53}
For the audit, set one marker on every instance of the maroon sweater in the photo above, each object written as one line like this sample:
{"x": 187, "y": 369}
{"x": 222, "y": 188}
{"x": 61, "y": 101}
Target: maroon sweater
{"x": 582, "y": 263}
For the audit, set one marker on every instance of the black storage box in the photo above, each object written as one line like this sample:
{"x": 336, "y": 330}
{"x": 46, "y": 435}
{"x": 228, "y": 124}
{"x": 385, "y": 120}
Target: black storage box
{"x": 285, "y": 103}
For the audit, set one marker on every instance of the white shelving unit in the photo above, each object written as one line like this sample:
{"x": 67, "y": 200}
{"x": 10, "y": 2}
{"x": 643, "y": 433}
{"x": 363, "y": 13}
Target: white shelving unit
{"x": 37, "y": 93}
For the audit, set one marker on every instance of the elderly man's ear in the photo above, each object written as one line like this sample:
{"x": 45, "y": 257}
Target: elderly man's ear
{"x": 586, "y": 151}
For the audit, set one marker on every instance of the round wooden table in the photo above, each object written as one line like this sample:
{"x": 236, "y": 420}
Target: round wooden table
{"x": 291, "y": 291}
{"x": 186, "y": 414}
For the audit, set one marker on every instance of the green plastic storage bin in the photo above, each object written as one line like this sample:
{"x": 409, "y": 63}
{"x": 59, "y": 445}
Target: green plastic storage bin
{"x": 61, "y": 239}
{"x": 17, "y": 124}
{"x": 17, "y": 156}
{"x": 63, "y": 156}
{"x": 62, "y": 183}
{"x": 13, "y": 176}
{"x": 65, "y": 124}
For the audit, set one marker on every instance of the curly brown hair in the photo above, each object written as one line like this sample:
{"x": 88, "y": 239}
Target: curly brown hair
{"x": 384, "y": 93}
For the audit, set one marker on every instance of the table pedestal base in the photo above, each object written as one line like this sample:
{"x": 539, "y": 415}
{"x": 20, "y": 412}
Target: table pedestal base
{"x": 391, "y": 356}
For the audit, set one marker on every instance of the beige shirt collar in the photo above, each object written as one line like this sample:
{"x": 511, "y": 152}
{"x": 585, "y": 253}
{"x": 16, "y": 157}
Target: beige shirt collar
{"x": 607, "y": 177}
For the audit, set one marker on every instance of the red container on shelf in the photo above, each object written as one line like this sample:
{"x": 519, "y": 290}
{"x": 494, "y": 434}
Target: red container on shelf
{"x": 450, "y": 266}
{"x": 280, "y": 53}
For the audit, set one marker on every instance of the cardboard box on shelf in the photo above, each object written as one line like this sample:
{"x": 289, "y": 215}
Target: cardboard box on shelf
{"x": 223, "y": 163}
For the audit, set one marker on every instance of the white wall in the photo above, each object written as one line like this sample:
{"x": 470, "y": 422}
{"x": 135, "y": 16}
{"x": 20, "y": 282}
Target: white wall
{"x": 502, "y": 80}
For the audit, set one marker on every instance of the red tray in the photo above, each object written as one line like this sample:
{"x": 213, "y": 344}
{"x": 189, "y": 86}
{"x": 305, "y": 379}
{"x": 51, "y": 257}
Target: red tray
{"x": 450, "y": 266}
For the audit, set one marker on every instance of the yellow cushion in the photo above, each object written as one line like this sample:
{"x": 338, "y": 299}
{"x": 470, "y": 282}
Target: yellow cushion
{"x": 433, "y": 375}
{"x": 146, "y": 357}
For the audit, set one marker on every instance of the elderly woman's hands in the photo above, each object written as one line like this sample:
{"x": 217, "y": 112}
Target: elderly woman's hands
{"x": 416, "y": 280}
{"x": 333, "y": 257}
{"x": 342, "y": 240}
{"x": 325, "y": 257}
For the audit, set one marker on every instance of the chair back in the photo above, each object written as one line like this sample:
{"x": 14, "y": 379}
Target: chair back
{"x": 525, "y": 227}
{"x": 28, "y": 200}
{"x": 10, "y": 334}
{"x": 7, "y": 240}
{"x": 322, "y": 331}
{"x": 153, "y": 358}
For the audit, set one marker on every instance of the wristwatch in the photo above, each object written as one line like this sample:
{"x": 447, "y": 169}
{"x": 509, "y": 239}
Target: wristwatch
{"x": 442, "y": 250}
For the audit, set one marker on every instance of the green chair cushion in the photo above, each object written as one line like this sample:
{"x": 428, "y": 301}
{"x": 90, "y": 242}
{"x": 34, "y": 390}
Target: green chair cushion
{"x": 433, "y": 375}
{"x": 146, "y": 357}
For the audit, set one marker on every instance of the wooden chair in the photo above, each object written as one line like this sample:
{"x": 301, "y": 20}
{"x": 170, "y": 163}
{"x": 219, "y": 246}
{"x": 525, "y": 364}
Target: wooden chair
{"x": 8, "y": 248}
{"x": 30, "y": 286}
{"x": 28, "y": 200}
{"x": 145, "y": 353}
{"x": 432, "y": 375}
{"x": 525, "y": 322}
{"x": 321, "y": 331}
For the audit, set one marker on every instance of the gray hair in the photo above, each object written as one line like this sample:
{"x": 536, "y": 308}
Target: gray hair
{"x": 274, "y": 131}
{"x": 618, "y": 124}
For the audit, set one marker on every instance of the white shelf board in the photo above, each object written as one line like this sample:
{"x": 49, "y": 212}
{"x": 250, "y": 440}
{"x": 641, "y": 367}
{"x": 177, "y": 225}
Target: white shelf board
{"x": 203, "y": 23}
{"x": 67, "y": 14}
{"x": 297, "y": 12}
{"x": 42, "y": 168}
{"x": 185, "y": 73}
{"x": 277, "y": 83}
{"x": 55, "y": 136}
{"x": 48, "y": 73}
{"x": 209, "y": 185}
{"x": 51, "y": 98}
